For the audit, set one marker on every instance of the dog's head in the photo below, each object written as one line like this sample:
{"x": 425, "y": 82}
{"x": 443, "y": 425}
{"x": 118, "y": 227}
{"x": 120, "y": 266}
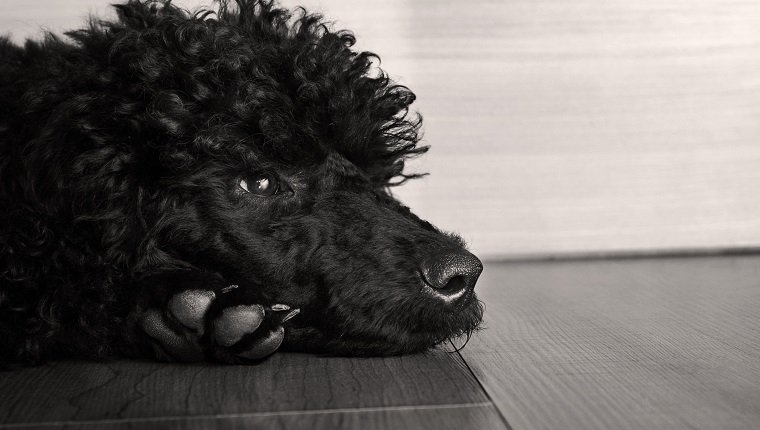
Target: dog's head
{"x": 268, "y": 149}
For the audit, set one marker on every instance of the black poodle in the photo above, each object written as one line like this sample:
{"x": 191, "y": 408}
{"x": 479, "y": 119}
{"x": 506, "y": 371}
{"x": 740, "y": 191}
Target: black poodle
{"x": 214, "y": 186}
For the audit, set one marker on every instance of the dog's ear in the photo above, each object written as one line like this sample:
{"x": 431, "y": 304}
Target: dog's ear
{"x": 156, "y": 216}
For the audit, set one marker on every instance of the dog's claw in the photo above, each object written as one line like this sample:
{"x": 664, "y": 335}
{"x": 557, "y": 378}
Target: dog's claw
{"x": 290, "y": 315}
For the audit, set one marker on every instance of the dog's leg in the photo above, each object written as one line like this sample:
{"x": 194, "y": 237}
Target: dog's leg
{"x": 195, "y": 316}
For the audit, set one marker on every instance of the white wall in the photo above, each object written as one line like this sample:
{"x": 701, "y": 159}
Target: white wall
{"x": 563, "y": 125}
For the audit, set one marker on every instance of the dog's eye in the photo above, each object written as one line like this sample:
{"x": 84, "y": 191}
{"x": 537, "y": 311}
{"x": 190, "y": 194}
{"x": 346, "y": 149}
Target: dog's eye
{"x": 261, "y": 184}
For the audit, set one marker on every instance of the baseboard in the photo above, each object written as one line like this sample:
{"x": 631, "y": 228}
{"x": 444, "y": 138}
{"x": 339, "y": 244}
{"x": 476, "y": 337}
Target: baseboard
{"x": 625, "y": 254}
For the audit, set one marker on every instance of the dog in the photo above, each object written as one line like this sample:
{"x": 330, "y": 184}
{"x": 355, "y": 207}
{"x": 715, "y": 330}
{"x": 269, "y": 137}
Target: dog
{"x": 215, "y": 186}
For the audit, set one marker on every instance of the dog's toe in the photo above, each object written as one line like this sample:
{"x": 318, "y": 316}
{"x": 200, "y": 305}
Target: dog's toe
{"x": 168, "y": 344}
{"x": 237, "y": 321}
{"x": 264, "y": 346}
{"x": 189, "y": 308}
{"x": 250, "y": 332}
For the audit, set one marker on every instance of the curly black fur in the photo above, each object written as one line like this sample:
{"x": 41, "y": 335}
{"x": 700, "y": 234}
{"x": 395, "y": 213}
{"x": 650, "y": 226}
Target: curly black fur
{"x": 121, "y": 151}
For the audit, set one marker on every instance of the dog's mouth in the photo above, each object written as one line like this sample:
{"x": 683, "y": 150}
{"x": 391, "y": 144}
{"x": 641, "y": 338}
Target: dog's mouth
{"x": 434, "y": 304}
{"x": 445, "y": 315}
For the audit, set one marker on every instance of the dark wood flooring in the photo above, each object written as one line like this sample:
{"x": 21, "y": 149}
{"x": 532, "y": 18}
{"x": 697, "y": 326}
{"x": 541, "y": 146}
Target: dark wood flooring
{"x": 594, "y": 344}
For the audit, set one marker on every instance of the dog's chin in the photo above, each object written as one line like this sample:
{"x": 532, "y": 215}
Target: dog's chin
{"x": 454, "y": 326}
{"x": 466, "y": 320}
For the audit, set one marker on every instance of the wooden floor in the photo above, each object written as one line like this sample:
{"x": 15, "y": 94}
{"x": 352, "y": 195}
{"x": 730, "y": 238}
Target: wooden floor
{"x": 607, "y": 344}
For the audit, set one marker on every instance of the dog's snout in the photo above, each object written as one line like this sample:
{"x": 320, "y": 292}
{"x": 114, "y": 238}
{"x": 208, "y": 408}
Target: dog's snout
{"x": 452, "y": 274}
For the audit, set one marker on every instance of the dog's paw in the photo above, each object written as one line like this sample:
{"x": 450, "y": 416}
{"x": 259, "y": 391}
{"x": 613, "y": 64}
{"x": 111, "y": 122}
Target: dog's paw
{"x": 199, "y": 324}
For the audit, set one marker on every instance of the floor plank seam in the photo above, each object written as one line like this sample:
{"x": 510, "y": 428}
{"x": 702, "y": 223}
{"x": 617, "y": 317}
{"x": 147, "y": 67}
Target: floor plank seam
{"x": 247, "y": 415}
{"x": 482, "y": 387}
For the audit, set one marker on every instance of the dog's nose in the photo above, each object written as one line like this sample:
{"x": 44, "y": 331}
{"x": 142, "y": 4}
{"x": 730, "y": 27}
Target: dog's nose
{"x": 452, "y": 274}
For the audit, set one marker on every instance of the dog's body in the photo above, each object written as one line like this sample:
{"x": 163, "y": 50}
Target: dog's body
{"x": 185, "y": 185}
